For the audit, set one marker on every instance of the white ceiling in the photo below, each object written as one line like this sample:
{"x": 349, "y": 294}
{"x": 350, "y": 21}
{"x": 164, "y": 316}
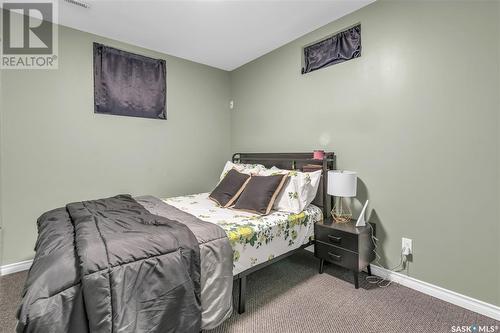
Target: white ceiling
{"x": 222, "y": 34}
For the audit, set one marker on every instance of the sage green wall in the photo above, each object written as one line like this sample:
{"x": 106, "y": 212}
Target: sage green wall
{"x": 498, "y": 134}
{"x": 1, "y": 136}
{"x": 56, "y": 150}
{"x": 417, "y": 116}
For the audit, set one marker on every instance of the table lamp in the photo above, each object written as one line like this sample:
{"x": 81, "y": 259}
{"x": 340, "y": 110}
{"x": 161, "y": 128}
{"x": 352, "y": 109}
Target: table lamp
{"x": 341, "y": 184}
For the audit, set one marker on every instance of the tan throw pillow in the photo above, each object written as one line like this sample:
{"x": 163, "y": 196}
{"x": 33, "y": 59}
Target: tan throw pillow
{"x": 259, "y": 194}
{"x": 229, "y": 188}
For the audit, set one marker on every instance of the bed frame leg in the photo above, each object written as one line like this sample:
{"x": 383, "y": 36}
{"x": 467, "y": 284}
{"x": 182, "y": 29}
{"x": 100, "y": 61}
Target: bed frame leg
{"x": 242, "y": 295}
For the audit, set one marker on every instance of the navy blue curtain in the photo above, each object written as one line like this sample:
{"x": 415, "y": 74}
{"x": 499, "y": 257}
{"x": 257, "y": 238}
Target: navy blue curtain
{"x": 345, "y": 45}
{"x": 129, "y": 84}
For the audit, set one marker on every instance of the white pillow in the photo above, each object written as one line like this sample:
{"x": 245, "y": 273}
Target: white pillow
{"x": 299, "y": 191}
{"x": 249, "y": 169}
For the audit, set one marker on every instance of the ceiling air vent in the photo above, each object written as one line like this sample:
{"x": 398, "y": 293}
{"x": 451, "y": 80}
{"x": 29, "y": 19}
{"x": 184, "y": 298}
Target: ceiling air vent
{"x": 78, "y": 3}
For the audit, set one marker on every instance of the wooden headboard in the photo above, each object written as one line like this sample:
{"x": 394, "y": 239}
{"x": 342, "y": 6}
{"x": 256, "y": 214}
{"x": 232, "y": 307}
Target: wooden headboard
{"x": 295, "y": 161}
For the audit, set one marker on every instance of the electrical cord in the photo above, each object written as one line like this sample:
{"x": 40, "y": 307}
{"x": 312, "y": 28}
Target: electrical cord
{"x": 380, "y": 281}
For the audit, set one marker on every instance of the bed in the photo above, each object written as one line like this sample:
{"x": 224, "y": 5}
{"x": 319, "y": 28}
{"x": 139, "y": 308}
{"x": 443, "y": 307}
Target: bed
{"x": 289, "y": 161}
{"x": 255, "y": 239}
{"x": 145, "y": 264}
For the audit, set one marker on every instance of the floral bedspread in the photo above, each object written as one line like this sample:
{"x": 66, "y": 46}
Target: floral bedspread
{"x": 254, "y": 238}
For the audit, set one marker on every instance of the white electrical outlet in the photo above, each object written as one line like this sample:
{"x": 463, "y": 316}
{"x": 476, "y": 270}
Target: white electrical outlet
{"x": 407, "y": 246}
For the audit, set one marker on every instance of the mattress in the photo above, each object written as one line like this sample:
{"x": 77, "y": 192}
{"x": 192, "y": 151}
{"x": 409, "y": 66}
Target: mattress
{"x": 255, "y": 239}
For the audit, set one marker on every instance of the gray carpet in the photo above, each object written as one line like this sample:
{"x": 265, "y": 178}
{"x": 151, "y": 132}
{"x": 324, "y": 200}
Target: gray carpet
{"x": 290, "y": 296}
{"x": 10, "y": 289}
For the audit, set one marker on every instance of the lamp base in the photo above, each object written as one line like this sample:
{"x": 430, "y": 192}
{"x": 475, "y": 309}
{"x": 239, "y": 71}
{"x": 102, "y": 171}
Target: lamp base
{"x": 346, "y": 218}
{"x": 341, "y": 213}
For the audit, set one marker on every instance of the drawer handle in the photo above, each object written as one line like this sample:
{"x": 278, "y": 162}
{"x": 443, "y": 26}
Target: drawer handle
{"x": 334, "y": 239}
{"x": 334, "y": 256}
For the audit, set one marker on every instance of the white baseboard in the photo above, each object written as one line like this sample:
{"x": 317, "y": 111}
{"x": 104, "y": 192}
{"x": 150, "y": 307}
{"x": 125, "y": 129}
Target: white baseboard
{"x": 15, "y": 267}
{"x": 449, "y": 296}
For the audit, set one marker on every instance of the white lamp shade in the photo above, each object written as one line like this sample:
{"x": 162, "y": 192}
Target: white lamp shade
{"x": 342, "y": 183}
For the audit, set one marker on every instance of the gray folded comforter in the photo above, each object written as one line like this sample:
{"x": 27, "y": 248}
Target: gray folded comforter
{"x": 111, "y": 265}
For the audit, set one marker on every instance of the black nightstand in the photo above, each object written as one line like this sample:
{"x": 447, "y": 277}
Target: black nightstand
{"x": 344, "y": 245}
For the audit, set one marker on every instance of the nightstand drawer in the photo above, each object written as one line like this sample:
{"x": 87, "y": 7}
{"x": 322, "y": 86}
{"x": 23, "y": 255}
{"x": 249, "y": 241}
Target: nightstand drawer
{"x": 336, "y": 237}
{"x": 336, "y": 255}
